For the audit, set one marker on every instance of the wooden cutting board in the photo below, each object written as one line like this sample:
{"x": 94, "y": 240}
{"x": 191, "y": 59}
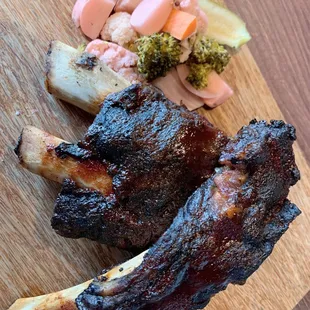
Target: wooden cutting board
{"x": 34, "y": 260}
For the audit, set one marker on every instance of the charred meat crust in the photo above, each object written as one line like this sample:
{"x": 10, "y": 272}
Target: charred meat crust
{"x": 18, "y": 147}
{"x": 226, "y": 230}
{"x": 64, "y": 150}
{"x": 193, "y": 285}
{"x": 270, "y": 144}
{"x": 87, "y": 61}
{"x": 159, "y": 153}
{"x": 88, "y": 213}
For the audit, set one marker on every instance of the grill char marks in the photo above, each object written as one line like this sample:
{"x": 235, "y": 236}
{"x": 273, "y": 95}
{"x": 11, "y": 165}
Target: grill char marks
{"x": 88, "y": 213}
{"x": 159, "y": 153}
{"x": 226, "y": 230}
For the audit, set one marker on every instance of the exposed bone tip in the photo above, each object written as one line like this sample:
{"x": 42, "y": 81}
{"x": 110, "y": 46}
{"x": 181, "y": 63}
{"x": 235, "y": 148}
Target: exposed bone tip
{"x": 70, "y": 82}
{"x": 18, "y": 147}
{"x": 28, "y": 133}
{"x": 48, "y": 66}
{"x": 66, "y": 299}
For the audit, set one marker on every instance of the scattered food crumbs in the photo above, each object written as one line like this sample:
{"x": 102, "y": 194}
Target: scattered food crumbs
{"x": 86, "y": 60}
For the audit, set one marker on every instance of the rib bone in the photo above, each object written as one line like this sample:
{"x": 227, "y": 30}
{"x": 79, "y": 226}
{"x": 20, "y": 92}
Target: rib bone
{"x": 83, "y": 87}
{"x": 36, "y": 152}
{"x": 66, "y": 299}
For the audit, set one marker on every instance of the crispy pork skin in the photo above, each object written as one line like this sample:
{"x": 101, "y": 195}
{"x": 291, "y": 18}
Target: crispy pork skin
{"x": 158, "y": 154}
{"x": 226, "y": 230}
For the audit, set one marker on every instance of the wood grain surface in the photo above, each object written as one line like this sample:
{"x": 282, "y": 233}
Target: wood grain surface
{"x": 280, "y": 45}
{"x": 33, "y": 258}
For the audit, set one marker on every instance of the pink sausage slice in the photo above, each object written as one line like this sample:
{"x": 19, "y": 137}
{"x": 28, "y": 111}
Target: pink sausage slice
{"x": 214, "y": 95}
{"x": 150, "y": 16}
{"x": 216, "y": 82}
{"x": 126, "y": 5}
{"x": 174, "y": 90}
{"x": 215, "y": 102}
{"x": 212, "y": 91}
{"x": 94, "y": 15}
{"x": 77, "y": 10}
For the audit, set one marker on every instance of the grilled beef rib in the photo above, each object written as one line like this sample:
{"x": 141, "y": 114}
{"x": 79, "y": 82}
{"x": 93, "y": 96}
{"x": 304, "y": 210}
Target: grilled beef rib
{"x": 227, "y": 228}
{"x": 157, "y": 153}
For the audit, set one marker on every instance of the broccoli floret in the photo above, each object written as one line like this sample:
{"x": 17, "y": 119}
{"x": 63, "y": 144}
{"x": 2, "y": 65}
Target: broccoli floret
{"x": 207, "y": 55}
{"x": 158, "y": 53}
{"x": 199, "y": 74}
{"x": 131, "y": 47}
{"x": 209, "y": 51}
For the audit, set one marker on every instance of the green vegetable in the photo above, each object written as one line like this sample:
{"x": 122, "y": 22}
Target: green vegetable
{"x": 158, "y": 53}
{"x": 209, "y": 51}
{"x": 224, "y": 26}
{"x": 207, "y": 55}
{"x": 132, "y": 46}
{"x": 199, "y": 75}
{"x": 82, "y": 47}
